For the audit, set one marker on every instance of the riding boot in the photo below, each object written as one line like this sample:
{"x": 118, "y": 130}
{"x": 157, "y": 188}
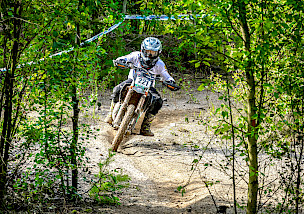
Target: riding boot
{"x": 146, "y": 124}
{"x": 108, "y": 118}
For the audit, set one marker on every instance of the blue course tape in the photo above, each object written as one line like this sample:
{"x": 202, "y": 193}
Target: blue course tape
{"x": 161, "y": 17}
{"x": 81, "y": 44}
{"x": 151, "y": 17}
{"x": 100, "y": 34}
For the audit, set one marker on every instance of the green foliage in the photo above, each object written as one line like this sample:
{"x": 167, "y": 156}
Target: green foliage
{"x": 109, "y": 183}
{"x": 259, "y": 76}
{"x": 181, "y": 189}
{"x": 258, "y": 83}
{"x": 47, "y": 97}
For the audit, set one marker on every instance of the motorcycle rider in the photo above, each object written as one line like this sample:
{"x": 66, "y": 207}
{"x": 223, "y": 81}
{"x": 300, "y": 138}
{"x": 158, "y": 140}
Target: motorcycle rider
{"x": 147, "y": 58}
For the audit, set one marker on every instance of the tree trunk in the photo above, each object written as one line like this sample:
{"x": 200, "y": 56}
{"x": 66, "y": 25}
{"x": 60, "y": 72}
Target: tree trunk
{"x": 124, "y": 6}
{"x": 134, "y": 9}
{"x": 252, "y": 148}
{"x": 75, "y": 118}
{"x": 6, "y": 134}
{"x": 251, "y": 108}
{"x": 299, "y": 141}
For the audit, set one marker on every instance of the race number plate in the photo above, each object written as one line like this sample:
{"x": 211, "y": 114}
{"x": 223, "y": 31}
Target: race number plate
{"x": 142, "y": 82}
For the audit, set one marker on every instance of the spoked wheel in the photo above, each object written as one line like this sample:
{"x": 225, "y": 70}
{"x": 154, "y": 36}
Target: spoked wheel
{"x": 123, "y": 127}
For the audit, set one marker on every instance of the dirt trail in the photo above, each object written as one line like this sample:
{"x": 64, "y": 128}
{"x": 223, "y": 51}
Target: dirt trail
{"x": 159, "y": 165}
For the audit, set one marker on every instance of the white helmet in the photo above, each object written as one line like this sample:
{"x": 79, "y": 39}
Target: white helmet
{"x": 151, "y": 48}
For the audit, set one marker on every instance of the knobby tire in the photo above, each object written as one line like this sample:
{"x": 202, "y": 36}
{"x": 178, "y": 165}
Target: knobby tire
{"x": 123, "y": 127}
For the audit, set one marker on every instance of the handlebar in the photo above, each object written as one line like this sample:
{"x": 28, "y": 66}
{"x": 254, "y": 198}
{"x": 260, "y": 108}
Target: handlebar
{"x": 124, "y": 64}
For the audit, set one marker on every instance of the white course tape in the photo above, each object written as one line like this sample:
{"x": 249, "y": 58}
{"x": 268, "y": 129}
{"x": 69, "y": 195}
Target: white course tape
{"x": 151, "y": 17}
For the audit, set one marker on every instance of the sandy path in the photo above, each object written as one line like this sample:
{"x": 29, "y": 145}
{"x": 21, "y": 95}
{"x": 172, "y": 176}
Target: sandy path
{"x": 159, "y": 165}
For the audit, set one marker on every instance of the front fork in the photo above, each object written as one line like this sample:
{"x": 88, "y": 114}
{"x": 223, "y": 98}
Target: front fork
{"x": 138, "y": 112}
{"x": 122, "y": 109}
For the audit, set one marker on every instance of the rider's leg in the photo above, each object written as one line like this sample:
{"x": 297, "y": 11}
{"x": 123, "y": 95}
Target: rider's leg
{"x": 156, "y": 105}
{"x": 115, "y": 99}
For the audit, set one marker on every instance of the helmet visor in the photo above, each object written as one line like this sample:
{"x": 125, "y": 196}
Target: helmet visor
{"x": 151, "y": 54}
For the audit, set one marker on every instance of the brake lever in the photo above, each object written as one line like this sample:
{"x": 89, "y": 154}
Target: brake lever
{"x": 131, "y": 65}
{"x": 159, "y": 79}
{"x": 122, "y": 64}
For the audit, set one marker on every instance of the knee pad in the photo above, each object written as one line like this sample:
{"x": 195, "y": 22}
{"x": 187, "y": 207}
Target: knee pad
{"x": 155, "y": 106}
{"x": 115, "y": 95}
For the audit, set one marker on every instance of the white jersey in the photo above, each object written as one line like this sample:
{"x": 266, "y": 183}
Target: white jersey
{"x": 158, "y": 69}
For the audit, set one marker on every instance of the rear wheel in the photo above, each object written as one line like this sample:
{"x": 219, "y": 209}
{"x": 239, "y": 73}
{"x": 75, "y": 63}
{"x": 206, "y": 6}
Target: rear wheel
{"x": 123, "y": 127}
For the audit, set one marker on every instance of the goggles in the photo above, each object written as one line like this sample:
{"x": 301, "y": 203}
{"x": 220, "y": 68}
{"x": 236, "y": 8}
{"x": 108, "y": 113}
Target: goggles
{"x": 151, "y": 54}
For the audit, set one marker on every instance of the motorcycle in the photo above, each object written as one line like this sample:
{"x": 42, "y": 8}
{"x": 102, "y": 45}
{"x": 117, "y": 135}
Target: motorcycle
{"x": 134, "y": 101}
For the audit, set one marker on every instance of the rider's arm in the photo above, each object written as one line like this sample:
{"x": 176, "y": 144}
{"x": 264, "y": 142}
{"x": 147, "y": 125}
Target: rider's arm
{"x": 126, "y": 61}
{"x": 162, "y": 71}
{"x": 123, "y": 61}
{"x": 168, "y": 80}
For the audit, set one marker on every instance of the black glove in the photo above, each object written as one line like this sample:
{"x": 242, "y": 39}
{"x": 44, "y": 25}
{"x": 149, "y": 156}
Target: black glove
{"x": 171, "y": 85}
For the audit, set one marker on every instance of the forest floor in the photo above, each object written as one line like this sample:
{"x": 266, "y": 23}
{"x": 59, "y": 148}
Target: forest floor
{"x": 158, "y": 165}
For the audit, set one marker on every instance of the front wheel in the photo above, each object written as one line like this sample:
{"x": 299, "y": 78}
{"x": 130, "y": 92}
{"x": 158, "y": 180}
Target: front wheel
{"x": 123, "y": 127}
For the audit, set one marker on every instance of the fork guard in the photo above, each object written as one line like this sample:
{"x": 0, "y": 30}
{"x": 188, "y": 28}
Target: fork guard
{"x": 122, "y": 109}
{"x": 137, "y": 113}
